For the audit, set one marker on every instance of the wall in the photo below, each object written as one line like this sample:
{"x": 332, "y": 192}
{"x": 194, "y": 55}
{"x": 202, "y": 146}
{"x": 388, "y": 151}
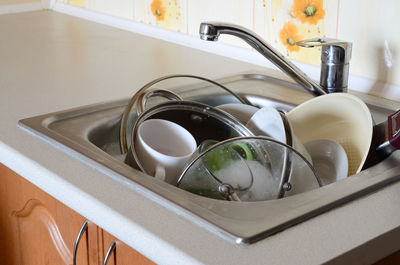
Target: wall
{"x": 16, "y": 2}
{"x": 16, "y": 6}
{"x": 371, "y": 25}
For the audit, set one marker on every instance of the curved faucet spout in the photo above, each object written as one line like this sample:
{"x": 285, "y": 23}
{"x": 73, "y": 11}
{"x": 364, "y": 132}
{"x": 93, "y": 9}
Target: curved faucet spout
{"x": 210, "y": 31}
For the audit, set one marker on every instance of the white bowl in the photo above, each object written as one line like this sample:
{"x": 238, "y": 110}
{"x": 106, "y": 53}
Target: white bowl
{"x": 340, "y": 117}
{"x": 329, "y": 160}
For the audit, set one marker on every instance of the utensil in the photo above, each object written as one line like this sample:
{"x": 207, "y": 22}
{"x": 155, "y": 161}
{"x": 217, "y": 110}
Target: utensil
{"x": 175, "y": 87}
{"x": 329, "y": 160}
{"x": 202, "y": 121}
{"x": 163, "y": 147}
{"x": 340, "y": 117}
{"x": 255, "y": 175}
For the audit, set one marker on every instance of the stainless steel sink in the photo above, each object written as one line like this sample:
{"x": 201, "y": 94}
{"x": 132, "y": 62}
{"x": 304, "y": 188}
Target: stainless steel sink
{"x": 93, "y": 131}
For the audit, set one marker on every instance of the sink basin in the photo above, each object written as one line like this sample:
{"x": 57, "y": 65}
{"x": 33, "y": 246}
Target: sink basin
{"x": 93, "y": 131}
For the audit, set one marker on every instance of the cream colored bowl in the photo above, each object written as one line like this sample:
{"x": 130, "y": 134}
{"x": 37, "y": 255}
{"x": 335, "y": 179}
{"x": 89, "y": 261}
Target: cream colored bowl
{"x": 340, "y": 117}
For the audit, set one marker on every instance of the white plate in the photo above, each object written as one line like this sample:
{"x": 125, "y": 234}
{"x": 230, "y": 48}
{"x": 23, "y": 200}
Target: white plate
{"x": 267, "y": 122}
{"x": 242, "y": 112}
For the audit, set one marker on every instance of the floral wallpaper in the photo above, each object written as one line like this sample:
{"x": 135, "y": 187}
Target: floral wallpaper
{"x": 289, "y": 21}
{"x": 286, "y": 21}
{"x": 281, "y": 23}
{"x": 166, "y": 14}
{"x": 307, "y": 12}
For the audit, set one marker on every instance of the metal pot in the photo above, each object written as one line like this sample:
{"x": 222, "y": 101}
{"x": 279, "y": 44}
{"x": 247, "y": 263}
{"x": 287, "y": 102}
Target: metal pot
{"x": 202, "y": 121}
{"x": 174, "y": 87}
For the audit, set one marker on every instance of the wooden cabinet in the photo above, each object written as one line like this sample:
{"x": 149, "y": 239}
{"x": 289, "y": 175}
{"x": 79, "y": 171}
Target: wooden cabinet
{"x": 390, "y": 260}
{"x": 122, "y": 254}
{"x": 36, "y": 229}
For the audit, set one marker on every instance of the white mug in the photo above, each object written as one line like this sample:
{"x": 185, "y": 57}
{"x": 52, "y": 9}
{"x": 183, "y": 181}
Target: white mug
{"x": 163, "y": 147}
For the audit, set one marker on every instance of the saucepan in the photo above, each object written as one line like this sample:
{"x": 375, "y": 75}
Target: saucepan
{"x": 200, "y": 120}
{"x": 346, "y": 119}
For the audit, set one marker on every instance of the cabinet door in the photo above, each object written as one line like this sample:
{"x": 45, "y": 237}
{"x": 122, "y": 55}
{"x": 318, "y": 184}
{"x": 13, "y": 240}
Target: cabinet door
{"x": 123, "y": 254}
{"x": 37, "y": 229}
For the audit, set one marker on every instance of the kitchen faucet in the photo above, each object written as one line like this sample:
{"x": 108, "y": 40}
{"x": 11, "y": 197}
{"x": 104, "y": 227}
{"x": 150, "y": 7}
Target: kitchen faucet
{"x": 335, "y": 57}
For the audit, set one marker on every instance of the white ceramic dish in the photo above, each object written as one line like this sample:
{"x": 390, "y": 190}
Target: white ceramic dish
{"x": 242, "y": 112}
{"x": 329, "y": 160}
{"x": 268, "y": 122}
{"x": 340, "y": 117}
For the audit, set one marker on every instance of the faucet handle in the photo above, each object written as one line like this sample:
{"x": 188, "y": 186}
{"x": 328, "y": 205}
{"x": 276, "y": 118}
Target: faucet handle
{"x": 316, "y": 42}
{"x": 335, "y": 58}
{"x": 333, "y": 50}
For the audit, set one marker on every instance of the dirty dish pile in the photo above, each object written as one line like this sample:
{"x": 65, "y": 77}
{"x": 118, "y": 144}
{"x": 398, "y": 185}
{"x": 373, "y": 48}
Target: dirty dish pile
{"x": 222, "y": 147}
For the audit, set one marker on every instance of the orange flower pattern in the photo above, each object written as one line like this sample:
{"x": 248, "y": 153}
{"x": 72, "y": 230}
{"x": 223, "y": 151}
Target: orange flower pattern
{"x": 158, "y": 10}
{"x": 289, "y": 36}
{"x": 308, "y": 11}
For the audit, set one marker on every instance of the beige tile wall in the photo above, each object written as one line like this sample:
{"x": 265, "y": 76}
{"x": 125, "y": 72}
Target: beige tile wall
{"x": 371, "y": 25}
{"x": 118, "y": 8}
{"x": 16, "y": 2}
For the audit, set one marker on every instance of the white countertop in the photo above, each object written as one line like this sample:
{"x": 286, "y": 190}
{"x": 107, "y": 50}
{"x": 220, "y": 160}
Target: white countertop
{"x": 51, "y": 62}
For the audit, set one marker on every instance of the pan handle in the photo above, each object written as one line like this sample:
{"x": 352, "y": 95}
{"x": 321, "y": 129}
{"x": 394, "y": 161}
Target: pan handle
{"x": 142, "y": 99}
{"x": 385, "y": 140}
{"x": 394, "y": 129}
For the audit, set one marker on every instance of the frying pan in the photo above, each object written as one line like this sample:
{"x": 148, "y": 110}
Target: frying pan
{"x": 385, "y": 140}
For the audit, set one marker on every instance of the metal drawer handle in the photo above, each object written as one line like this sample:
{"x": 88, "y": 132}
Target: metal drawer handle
{"x": 83, "y": 229}
{"x": 108, "y": 254}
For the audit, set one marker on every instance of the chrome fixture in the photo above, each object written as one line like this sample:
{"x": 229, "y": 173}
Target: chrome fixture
{"x": 84, "y": 229}
{"x": 335, "y": 57}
